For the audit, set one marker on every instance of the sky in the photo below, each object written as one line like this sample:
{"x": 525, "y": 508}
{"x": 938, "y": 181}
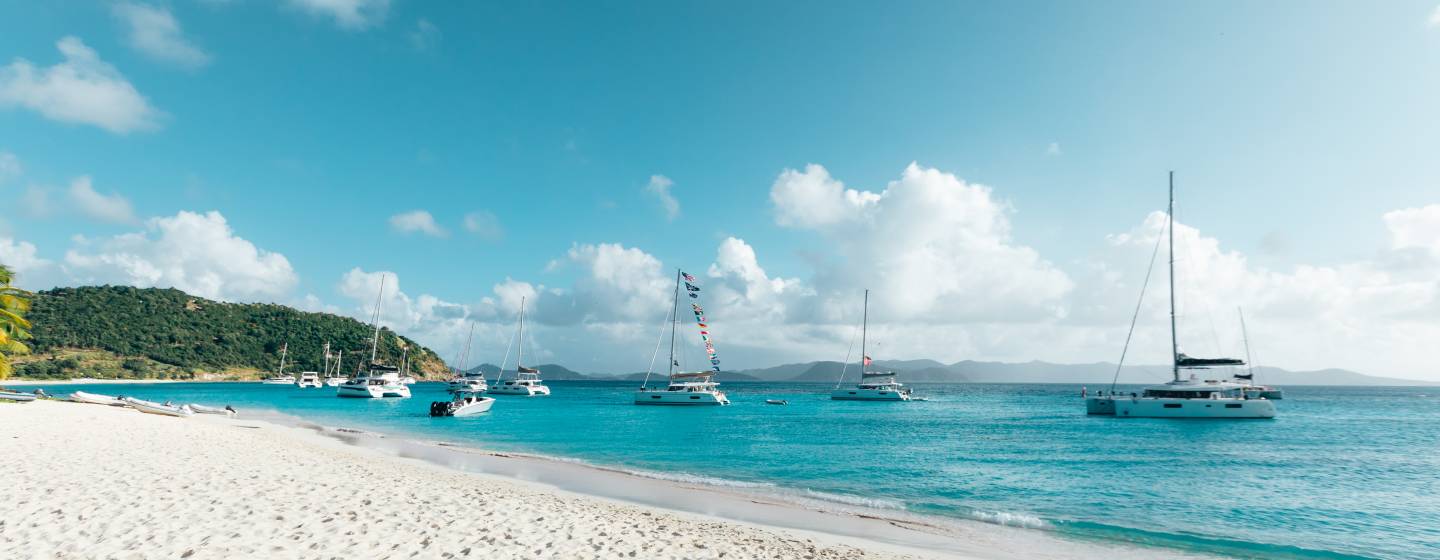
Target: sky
{"x": 994, "y": 172}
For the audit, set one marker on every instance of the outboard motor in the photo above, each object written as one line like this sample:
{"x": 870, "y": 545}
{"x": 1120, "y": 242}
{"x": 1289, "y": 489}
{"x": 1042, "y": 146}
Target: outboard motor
{"x": 441, "y": 408}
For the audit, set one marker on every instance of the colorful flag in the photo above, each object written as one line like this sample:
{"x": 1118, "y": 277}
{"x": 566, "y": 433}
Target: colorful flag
{"x": 692, "y": 287}
{"x": 688, "y": 278}
{"x": 867, "y": 360}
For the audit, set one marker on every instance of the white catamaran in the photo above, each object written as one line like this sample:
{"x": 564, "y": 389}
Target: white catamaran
{"x": 280, "y": 377}
{"x": 527, "y": 381}
{"x": 379, "y": 380}
{"x": 1187, "y": 397}
{"x": 467, "y": 381}
{"x": 874, "y": 385}
{"x": 686, "y": 388}
{"x": 310, "y": 378}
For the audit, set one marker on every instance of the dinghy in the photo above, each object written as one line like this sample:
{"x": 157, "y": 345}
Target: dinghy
{"x": 202, "y": 409}
{"x": 157, "y": 408}
{"x": 92, "y": 398}
{"x": 776, "y": 401}
{"x": 16, "y": 397}
{"x": 464, "y": 404}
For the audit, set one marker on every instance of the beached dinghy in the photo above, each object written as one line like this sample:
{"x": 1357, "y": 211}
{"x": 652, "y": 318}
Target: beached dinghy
{"x": 16, "y": 397}
{"x": 92, "y": 398}
{"x": 202, "y": 409}
{"x": 157, "y": 408}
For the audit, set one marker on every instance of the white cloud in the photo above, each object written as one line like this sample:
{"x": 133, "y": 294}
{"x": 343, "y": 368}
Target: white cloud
{"x": 20, "y": 256}
{"x": 1435, "y": 17}
{"x": 425, "y": 36}
{"x": 113, "y": 208}
{"x": 417, "y": 221}
{"x": 659, "y": 186}
{"x": 82, "y": 89}
{"x": 812, "y": 199}
{"x": 10, "y": 167}
{"x": 484, "y": 225}
{"x": 1053, "y": 149}
{"x": 1415, "y": 228}
{"x": 196, "y": 253}
{"x": 348, "y": 14}
{"x": 617, "y": 284}
{"x": 155, "y": 32}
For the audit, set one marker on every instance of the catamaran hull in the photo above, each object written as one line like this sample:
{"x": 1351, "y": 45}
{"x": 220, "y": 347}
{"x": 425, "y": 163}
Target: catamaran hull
{"x": 304, "y": 384}
{"x": 680, "y": 398}
{"x": 467, "y": 387}
{"x": 278, "y": 382}
{"x": 334, "y": 382}
{"x": 1100, "y": 406}
{"x": 1271, "y": 394}
{"x": 1193, "y": 408}
{"x": 868, "y": 395}
{"x": 520, "y": 391}
{"x": 372, "y": 391}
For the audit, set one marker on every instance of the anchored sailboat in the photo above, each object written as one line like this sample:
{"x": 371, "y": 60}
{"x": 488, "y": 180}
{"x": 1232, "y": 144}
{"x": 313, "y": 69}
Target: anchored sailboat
{"x": 380, "y": 380}
{"x": 686, "y": 388}
{"x": 1188, "y": 397}
{"x": 280, "y": 377}
{"x": 527, "y": 381}
{"x": 874, "y": 385}
{"x": 467, "y": 381}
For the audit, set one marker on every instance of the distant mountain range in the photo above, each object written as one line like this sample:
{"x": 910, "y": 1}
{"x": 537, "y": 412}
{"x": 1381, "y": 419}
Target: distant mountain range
{"x": 931, "y": 371}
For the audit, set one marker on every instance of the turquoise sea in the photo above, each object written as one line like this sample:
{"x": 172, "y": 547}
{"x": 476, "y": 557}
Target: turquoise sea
{"x": 1342, "y": 473}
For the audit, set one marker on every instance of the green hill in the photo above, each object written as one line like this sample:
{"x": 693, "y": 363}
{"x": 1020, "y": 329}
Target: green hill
{"x": 125, "y": 332}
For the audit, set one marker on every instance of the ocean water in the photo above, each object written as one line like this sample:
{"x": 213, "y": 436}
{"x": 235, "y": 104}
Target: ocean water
{"x": 1341, "y": 473}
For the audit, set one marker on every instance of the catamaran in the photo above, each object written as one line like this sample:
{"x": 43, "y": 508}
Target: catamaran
{"x": 333, "y": 377}
{"x": 1183, "y": 397}
{"x": 686, "y": 388}
{"x": 1252, "y": 389}
{"x": 527, "y": 380}
{"x": 467, "y": 381}
{"x": 874, "y": 385}
{"x": 379, "y": 380}
{"x": 280, "y": 377}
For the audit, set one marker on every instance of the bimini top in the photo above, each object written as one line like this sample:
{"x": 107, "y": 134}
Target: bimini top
{"x": 383, "y": 368}
{"x": 692, "y": 375}
{"x": 1181, "y": 360}
{"x": 876, "y": 374}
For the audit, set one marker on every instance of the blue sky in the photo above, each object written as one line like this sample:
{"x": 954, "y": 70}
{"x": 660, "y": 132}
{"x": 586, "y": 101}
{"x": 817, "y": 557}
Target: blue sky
{"x": 1294, "y": 126}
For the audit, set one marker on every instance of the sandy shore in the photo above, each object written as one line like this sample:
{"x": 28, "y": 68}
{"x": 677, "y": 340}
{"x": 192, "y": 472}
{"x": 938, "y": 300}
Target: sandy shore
{"x": 87, "y": 481}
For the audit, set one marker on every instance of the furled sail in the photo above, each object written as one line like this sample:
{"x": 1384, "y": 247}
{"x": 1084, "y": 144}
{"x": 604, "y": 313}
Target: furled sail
{"x": 1181, "y": 360}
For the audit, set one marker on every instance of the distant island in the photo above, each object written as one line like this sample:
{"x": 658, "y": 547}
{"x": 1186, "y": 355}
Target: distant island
{"x": 122, "y": 332}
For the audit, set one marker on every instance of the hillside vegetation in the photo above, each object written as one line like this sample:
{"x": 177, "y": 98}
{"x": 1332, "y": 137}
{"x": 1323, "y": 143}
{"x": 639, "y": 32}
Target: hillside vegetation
{"x": 125, "y": 332}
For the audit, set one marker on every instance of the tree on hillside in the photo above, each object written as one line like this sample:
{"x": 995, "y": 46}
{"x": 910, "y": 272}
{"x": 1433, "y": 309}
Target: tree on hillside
{"x": 14, "y": 329}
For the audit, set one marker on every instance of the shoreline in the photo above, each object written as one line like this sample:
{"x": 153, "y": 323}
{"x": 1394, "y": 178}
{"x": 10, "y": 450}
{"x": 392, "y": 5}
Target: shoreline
{"x": 439, "y": 471}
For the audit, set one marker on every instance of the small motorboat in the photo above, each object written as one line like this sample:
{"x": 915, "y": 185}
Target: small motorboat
{"x": 464, "y": 404}
{"x": 776, "y": 401}
{"x": 92, "y": 398}
{"x": 202, "y": 409}
{"x": 165, "y": 409}
{"x": 13, "y": 396}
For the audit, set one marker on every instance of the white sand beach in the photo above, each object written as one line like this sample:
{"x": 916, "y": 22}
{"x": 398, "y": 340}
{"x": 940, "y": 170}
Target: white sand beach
{"x": 88, "y": 481}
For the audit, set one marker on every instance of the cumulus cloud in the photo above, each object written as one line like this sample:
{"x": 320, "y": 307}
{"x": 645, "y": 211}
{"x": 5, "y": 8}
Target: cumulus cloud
{"x": 659, "y": 186}
{"x": 616, "y": 283}
{"x": 111, "y": 208}
{"x": 1417, "y": 228}
{"x": 154, "y": 31}
{"x": 348, "y": 14}
{"x": 812, "y": 199}
{"x": 82, "y": 89}
{"x": 10, "y": 167}
{"x": 197, "y": 253}
{"x": 484, "y": 225}
{"x": 21, "y": 256}
{"x": 417, "y": 221}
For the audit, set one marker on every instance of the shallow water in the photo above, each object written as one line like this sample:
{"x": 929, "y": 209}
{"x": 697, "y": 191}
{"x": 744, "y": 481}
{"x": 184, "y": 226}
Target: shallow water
{"x": 1342, "y": 472}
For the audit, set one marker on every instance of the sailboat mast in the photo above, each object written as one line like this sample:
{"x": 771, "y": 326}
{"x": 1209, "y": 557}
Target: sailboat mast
{"x": 1174, "y": 338}
{"x": 1245, "y": 335}
{"x": 864, "y": 329}
{"x": 674, "y": 319}
{"x": 283, "y": 348}
{"x": 520, "y": 360}
{"x": 379, "y": 300}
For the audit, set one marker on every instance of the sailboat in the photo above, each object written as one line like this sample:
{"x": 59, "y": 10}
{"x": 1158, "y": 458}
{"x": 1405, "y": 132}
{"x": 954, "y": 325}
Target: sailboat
{"x": 280, "y": 377}
{"x": 379, "y": 380}
{"x": 467, "y": 381}
{"x": 1188, "y": 396}
{"x": 873, "y": 385}
{"x": 1252, "y": 389}
{"x": 333, "y": 377}
{"x": 686, "y": 388}
{"x": 527, "y": 381}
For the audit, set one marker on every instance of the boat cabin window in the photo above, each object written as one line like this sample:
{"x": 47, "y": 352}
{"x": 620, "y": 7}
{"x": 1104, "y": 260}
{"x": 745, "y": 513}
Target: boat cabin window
{"x": 1173, "y": 405}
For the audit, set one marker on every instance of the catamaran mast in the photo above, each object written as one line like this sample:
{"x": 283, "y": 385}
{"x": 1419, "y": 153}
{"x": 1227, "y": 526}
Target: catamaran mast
{"x": 1249, "y": 364}
{"x": 379, "y": 299}
{"x": 1174, "y": 339}
{"x": 283, "y": 349}
{"x": 520, "y": 360}
{"x": 864, "y": 328}
{"x": 674, "y": 319}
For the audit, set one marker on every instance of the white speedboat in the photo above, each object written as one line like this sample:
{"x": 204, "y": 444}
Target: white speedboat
{"x": 280, "y": 377}
{"x": 202, "y": 409}
{"x": 92, "y": 398}
{"x": 13, "y": 396}
{"x": 874, "y": 385}
{"x": 464, "y": 404}
{"x": 379, "y": 381}
{"x": 1188, "y": 397}
{"x": 309, "y": 379}
{"x": 686, "y": 388}
{"x": 165, "y": 409}
{"x": 527, "y": 381}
